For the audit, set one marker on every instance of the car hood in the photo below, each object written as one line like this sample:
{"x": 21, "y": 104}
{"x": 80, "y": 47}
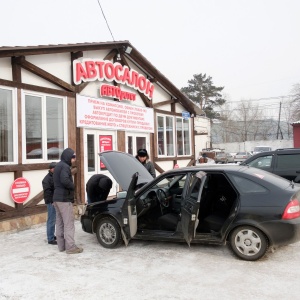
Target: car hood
{"x": 122, "y": 166}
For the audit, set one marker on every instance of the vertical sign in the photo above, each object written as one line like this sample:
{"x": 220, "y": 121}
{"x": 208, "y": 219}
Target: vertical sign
{"x": 105, "y": 144}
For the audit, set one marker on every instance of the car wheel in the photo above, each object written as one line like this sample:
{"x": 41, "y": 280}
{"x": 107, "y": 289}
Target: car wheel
{"x": 108, "y": 233}
{"x": 248, "y": 243}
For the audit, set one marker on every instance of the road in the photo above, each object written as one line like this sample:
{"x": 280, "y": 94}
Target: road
{"x": 32, "y": 269}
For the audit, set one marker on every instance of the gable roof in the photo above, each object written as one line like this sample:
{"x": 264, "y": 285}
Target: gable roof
{"x": 120, "y": 47}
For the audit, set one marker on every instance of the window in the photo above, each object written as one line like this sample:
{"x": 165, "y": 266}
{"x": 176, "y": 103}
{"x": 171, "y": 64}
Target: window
{"x": 288, "y": 161}
{"x": 45, "y": 127}
{"x": 247, "y": 186}
{"x": 169, "y": 134}
{"x": 183, "y": 136}
{"x": 165, "y": 135}
{"x": 261, "y": 162}
{"x": 8, "y": 128}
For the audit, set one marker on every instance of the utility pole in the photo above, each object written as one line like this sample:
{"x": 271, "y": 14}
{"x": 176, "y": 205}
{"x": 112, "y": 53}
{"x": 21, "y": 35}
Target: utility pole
{"x": 278, "y": 127}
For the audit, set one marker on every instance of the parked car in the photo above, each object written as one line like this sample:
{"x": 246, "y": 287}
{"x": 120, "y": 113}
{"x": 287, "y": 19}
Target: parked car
{"x": 241, "y": 156}
{"x": 214, "y": 204}
{"x": 224, "y": 157}
{"x": 283, "y": 162}
{"x": 259, "y": 149}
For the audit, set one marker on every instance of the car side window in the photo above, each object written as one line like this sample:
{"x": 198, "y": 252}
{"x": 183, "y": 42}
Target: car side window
{"x": 247, "y": 186}
{"x": 261, "y": 162}
{"x": 288, "y": 161}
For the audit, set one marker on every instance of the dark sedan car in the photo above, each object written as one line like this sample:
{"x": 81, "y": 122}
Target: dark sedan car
{"x": 249, "y": 208}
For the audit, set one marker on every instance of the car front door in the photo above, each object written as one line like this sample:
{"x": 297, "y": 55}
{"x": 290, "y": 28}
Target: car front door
{"x": 129, "y": 214}
{"x": 190, "y": 208}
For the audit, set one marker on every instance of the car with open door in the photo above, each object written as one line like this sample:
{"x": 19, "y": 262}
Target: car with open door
{"x": 249, "y": 209}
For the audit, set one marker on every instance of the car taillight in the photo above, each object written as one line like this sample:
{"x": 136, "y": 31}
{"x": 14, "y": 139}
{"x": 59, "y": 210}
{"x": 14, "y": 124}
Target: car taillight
{"x": 292, "y": 210}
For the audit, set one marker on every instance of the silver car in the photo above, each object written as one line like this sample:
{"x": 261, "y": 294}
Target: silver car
{"x": 241, "y": 156}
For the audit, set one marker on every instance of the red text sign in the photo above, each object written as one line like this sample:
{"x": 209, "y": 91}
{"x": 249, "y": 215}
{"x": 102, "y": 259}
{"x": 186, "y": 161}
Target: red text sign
{"x": 20, "y": 190}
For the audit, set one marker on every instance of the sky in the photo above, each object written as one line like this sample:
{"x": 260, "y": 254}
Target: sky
{"x": 251, "y": 48}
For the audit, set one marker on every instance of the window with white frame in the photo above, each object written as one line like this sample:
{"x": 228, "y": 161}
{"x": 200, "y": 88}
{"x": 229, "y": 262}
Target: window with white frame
{"x": 45, "y": 127}
{"x": 8, "y": 126}
{"x": 183, "y": 136}
{"x": 165, "y": 135}
{"x": 168, "y": 131}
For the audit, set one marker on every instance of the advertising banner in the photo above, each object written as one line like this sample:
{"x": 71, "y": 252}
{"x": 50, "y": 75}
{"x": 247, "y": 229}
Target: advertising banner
{"x": 107, "y": 114}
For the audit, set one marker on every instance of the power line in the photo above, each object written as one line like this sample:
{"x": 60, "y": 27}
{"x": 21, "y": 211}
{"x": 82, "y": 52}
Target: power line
{"x": 106, "y": 21}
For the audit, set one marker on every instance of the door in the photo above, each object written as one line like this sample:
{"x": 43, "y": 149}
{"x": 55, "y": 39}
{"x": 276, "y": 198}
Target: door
{"x": 129, "y": 214}
{"x": 96, "y": 141}
{"x": 190, "y": 208}
{"x": 136, "y": 141}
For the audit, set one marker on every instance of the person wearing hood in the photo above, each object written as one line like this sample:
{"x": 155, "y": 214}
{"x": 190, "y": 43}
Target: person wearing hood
{"x": 63, "y": 199}
{"x": 143, "y": 157}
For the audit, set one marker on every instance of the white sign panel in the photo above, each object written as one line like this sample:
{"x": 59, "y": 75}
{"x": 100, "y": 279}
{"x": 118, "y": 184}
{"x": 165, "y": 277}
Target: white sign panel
{"x": 106, "y": 114}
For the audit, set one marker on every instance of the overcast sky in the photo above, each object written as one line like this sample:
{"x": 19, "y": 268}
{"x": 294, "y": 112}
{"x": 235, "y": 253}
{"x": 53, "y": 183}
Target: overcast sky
{"x": 252, "y": 48}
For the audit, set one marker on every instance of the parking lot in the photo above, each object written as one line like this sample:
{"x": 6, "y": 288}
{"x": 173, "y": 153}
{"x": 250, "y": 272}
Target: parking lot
{"x": 32, "y": 269}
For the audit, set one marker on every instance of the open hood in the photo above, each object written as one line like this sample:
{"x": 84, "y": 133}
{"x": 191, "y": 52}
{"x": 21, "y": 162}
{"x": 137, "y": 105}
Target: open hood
{"x": 122, "y": 166}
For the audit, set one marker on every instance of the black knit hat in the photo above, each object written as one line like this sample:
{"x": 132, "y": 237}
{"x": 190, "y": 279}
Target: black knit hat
{"x": 52, "y": 165}
{"x": 142, "y": 152}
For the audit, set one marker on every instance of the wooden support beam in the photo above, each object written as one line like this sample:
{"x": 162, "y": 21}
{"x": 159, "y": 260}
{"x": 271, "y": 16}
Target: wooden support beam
{"x": 44, "y": 74}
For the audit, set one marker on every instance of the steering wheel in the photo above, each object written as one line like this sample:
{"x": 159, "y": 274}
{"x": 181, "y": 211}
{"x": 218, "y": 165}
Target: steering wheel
{"x": 162, "y": 198}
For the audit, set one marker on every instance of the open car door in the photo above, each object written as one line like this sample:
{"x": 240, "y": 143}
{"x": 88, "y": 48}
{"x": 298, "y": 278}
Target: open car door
{"x": 129, "y": 213}
{"x": 190, "y": 208}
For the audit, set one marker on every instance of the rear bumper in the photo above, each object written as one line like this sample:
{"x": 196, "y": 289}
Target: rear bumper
{"x": 283, "y": 232}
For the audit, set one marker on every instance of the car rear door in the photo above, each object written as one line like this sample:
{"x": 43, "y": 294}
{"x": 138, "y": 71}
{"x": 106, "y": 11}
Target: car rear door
{"x": 190, "y": 208}
{"x": 129, "y": 213}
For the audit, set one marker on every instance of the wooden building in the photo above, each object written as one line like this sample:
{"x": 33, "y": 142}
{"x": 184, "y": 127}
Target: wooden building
{"x": 91, "y": 97}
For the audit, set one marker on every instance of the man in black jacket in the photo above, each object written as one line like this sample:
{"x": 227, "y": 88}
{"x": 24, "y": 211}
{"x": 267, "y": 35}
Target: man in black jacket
{"x": 98, "y": 187}
{"x": 48, "y": 187}
{"x": 63, "y": 199}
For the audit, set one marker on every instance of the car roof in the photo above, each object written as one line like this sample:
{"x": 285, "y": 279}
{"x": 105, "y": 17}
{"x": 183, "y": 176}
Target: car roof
{"x": 266, "y": 153}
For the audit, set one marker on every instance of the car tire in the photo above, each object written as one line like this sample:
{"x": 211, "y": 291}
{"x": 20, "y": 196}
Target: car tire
{"x": 108, "y": 233}
{"x": 248, "y": 243}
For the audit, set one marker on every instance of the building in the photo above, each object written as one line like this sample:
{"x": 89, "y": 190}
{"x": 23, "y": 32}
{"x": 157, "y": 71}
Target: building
{"x": 91, "y": 97}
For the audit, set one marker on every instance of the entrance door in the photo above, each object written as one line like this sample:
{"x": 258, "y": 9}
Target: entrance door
{"x": 136, "y": 141}
{"x": 96, "y": 141}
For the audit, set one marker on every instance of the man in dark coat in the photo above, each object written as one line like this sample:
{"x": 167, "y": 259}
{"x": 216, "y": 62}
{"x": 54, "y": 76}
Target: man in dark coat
{"x": 48, "y": 187}
{"x": 143, "y": 157}
{"x": 63, "y": 199}
{"x": 98, "y": 187}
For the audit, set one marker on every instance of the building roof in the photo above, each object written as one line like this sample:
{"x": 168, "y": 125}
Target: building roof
{"x": 120, "y": 46}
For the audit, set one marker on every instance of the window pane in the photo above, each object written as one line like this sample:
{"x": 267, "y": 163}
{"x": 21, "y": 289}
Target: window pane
{"x": 130, "y": 145}
{"x": 6, "y": 126}
{"x": 186, "y": 133}
{"x": 33, "y": 120}
{"x": 91, "y": 152}
{"x": 179, "y": 136}
{"x": 248, "y": 186}
{"x": 288, "y": 161}
{"x": 160, "y": 135}
{"x": 140, "y": 143}
{"x": 169, "y": 134}
{"x": 55, "y": 127}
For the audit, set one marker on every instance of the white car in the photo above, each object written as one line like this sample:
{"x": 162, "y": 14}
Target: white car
{"x": 241, "y": 156}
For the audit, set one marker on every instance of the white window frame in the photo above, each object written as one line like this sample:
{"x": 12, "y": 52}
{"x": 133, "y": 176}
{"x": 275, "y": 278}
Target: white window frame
{"x": 165, "y": 135}
{"x": 190, "y": 134}
{"x": 15, "y": 125}
{"x": 44, "y": 125}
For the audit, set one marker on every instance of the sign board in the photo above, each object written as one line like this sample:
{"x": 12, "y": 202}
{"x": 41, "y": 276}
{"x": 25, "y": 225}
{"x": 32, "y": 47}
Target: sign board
{"x": 20, "y": 190}
{"x": 107, "y": 114}
{"x": 186, "y": 115}
{"x": 105, "y": 144}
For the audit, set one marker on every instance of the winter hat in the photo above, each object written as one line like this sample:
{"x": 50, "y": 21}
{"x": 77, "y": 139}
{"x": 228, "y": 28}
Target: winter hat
{"x": 52, "y": 165}
{"x": 142, "y": 152}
